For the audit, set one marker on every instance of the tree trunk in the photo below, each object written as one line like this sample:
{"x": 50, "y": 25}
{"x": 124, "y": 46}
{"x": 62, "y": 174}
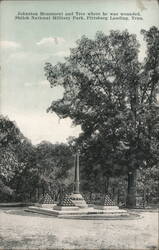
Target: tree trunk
{"x": 36, "y": 194}
{"x": 144, "y": 197}
{"x": 43, "y": 190}
{"x": 131, "y": 195}
{"x": 106, "y": 186}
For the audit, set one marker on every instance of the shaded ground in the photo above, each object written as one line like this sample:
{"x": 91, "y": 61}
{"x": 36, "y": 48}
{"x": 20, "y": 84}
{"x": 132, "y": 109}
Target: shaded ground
{"x": 23, "y": 230}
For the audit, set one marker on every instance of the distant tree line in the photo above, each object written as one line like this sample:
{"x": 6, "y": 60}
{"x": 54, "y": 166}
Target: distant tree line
{"x": 27, "y": 171}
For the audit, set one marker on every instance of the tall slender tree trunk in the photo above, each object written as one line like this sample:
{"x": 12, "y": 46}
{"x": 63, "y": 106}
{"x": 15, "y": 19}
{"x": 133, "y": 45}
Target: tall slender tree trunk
{"x": 131, "y": 195}
{"x": 30, "y": 196}
{"x": 144, "y": 197}
{"x": 36, "y": 194}
{"x": 106, "y": 186}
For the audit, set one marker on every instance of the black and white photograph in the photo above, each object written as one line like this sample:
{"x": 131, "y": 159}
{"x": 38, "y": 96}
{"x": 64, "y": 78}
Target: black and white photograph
{"x": 79, "y": 124}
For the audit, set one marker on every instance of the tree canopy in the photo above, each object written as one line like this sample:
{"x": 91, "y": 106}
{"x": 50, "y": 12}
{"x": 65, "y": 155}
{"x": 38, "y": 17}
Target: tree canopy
{"x": 16, "y": 157}
{"x": 113, "y": 96}
{"x": 54, "y": 163}
{"x": 25, "y": 168}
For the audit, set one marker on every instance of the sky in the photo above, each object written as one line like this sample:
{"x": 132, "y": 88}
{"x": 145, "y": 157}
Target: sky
{"x": 25, "y": 46}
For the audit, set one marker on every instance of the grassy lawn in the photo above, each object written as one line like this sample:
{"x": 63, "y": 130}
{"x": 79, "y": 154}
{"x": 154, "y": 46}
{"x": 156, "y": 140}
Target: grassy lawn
{"x": 24, "y": 230}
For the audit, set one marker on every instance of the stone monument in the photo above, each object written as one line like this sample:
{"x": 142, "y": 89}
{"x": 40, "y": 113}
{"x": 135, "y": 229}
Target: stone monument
{"x": 74, "y": 205}
{"x": 76, "y": 196}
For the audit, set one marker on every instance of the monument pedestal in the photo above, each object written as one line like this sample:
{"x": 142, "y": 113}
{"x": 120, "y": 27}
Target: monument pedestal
{"x": 45, "y": 205}
{"x": 78, "y": 200}
{"x": 66, "y": 204}
{"x": 102, "y": 207}
{"x": 62, "y": 208}
{"x": 80, "y": 213}
{"x": 74, "y": 205}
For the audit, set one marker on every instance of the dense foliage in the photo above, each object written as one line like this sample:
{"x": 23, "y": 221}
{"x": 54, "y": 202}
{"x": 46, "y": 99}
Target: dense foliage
{"x": 113, "y": 96}
{"x": 54, "y": 163}
{"x": 17, "y": 159}
{"x": 26, "y": 171}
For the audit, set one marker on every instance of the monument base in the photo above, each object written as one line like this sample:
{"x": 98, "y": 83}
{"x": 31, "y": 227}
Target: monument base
{"x": 45, "y": 205}
{"x": 78, "y": 200}
{"x": 80, "y": 213}
{"x": 63, "y": 208}
{"x": 101, "y": 207}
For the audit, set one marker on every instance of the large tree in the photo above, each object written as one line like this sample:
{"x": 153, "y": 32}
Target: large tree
{"x": 113, "y": 97}
{"x": 17, "y": 160}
